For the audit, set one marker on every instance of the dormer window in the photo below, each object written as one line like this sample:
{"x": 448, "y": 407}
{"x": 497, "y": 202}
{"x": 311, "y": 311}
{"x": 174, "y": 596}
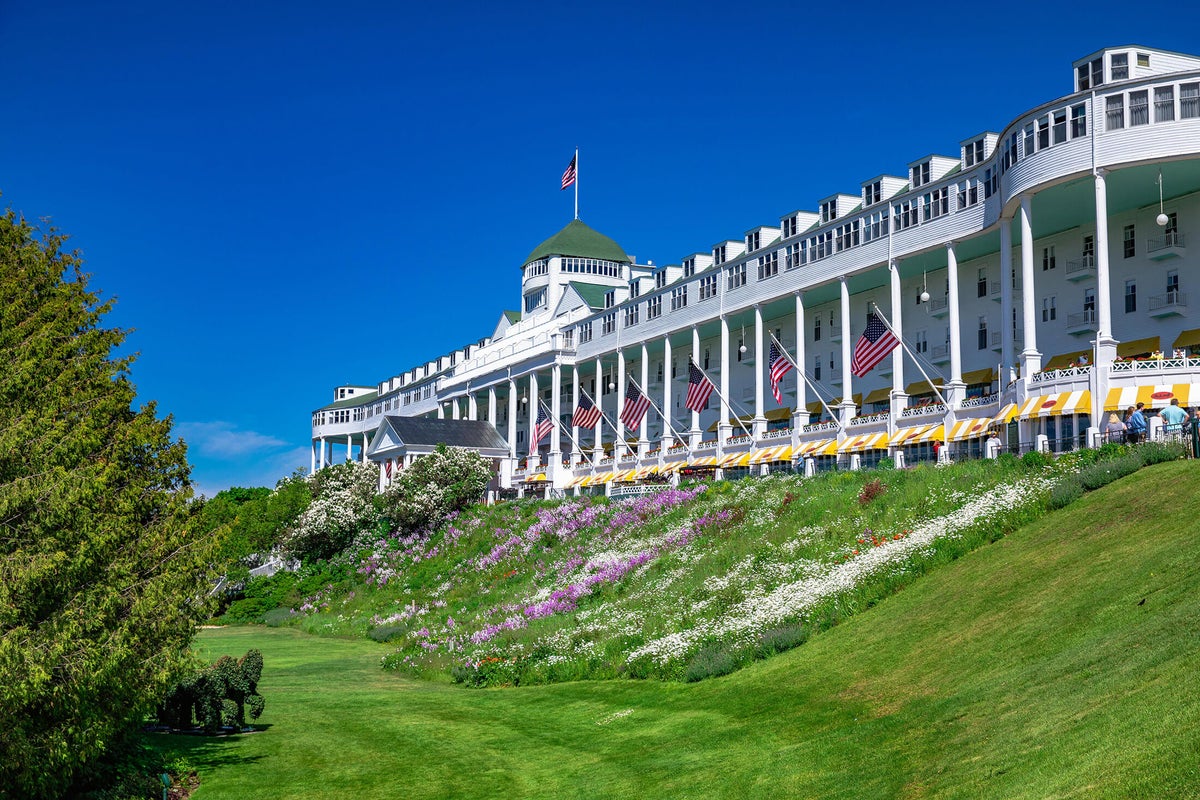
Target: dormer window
{"x": 689, "y": 267}
{"x": 719, "y": 254}
{"x": 635, "y": 288}
{"x": 790, "y": 227}
{"x": 920, "y": 174}
{"x": 610, "y": 298}
{"x": 1143, "y": 59}
{"x": 1118, "y": 66}
{"x": 535, "y": 299}
{"x": 753, "y": 241}
{"x": 872, "y": 193}
{"x": 828, "y": 211}
{"x": 660, "y": 280}
{"x": 973, "y": 153}
{"x": 1091, "y": 74}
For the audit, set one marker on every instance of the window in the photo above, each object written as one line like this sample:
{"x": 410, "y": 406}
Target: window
{"x": 707, "y": 352}
{"x": 1189, "y": 100}
{"x": 821, "y": 245}
{"x": 936, "y": 203}
{"x": 610, "y": 298}
{"x": 795, "y": 255}
{"x": 817, "y": 328}
{"x": 846, "y": 236}
{"x": 591, "y": 266}
{"x": 535, "y": 299}
{"x": 920, "y": 174}
{"x": 753, "y": 241}
{"x": 631, "y": 315}
{"x": 1010, "y": 155}
{"x": 790, "y": 227}
{"x": 1048, "y": 258}
{"x": 718, "y": 254}
{"x": 828, "y": 211}
{"x": 654, "y": 307}
{"x": 768, "y": 265}
{"x": 585, "y": 332}
{"x": 1143, "y": 59}
{"x": 1171, "y": 230}
{"x": 816, "y": 368}
{"x": 1043, "y": 135}
{"x": 520, "y": 436}
{"x": 1114, "y": 115}
{"x": 968, "y": 193}
{"x": 1060, "y": 126}
{"x": 1089, "y": 304}
{"x": 1130, "y": 297}
{"x": 535, "y": 268}
{"x": 660, "y": 372}
{"x": 1130, "y": 246}
{"x": 608, "y": 323}
{"x": 875, "y": 226}
{"x": 920, "y": 344}
{"x": 1173, "y": 286}
{"x": 1078, "y": 121}
{"x": 689, "y": 267}
{"x": 1090, "y": 74}
{"x": 872, "y": 193}
{"x": 981, "y": 286}
{"x": 1089, "y": 251}
{"x": 1029, "y": 139}
{"x": 679, "y": 298}
{"x": 906, "y": 214}
{"x": 1164, "y": 104}
{"x": 635, "y": 288}
{"x": 973, "y": 153}
{"x": 661, "y": 279}
{"x": 1049, "y": 311}
{"x": 1118, "y": 65}
{"x": 737, "y": 276}
{"x": 708, "y": 287}
{"x": 983, "y": 333}
{"x": 1139, "y": 108}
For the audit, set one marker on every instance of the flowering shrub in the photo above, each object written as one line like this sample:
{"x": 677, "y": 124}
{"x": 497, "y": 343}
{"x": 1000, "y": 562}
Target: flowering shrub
{"x": 443, "y": 482}
{"x": 342, "y": 507}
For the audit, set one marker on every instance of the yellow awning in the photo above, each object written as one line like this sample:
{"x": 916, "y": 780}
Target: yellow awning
{"x": 777, "y": 414}
{"x": 736, "y": 460}
{"x": 705, "y": 461}
{"x": 970, "y": 428}
{"x": 878, "y": 395}
{"x": 1187, "y": 338}
{"x": 818, "y": 447}
{"x": 864, "y": 441}
{"x": 904, "y": 436}
{"x": 1050, "y": 405}
{"x": 1006, "y": 414}
{"x": 781, "y": 452}
{"x": 773, "y": 415}
{"x": 1154, "y": 396}
{"x": 922, "y": 387}
{"x": 576, "y": 481}
{"x": 1067, "y": 359}
{"x": 1137, "y": 347}
{"x": 538, "y": 478}
{"x": 934, "y": 434}
{"x": 979, "y": 376}
{"x": 625, "y": 476}
{"x": 745, "y": 418}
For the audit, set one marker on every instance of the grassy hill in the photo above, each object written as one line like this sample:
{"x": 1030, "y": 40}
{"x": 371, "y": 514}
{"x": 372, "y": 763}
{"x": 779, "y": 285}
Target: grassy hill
{"x": 1060, "y": 661}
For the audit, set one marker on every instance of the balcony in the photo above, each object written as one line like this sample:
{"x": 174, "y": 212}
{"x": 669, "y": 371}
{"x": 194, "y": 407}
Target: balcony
{"x": 940, "y": 354}
{"x": 1169, "y": 245}
{"x": 995, "y": 290}
{"x": 1081, "y": 323}
{"x": 938, "y": 307}
{"x": 1169, "y": 304}
{"x": 1082, "y": 268}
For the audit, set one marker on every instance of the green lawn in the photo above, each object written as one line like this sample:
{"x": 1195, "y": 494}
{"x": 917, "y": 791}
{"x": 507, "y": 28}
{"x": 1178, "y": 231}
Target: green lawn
{"x": 1029, "y": 668}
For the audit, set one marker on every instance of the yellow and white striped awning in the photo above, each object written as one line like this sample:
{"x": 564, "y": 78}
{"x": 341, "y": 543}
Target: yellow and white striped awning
{"x": 1050, "y": 405}
{"x": 911, "y": 435}
{"x": 736, "y": 460}
{"x": 646, "y": 472}
{"x": 673, "y": 466}
{"x": 1006, "y": 414}
{"x": 864, "y": 441}
{"x": 603, "y": 477}
{"x": 576, "y": 481}
{"x": 768, "y": 455}
{"x": 704, "y": 461}
{"x": 625, "y": 476}
{"x": 818, "y": 447}
{"x": 970, "y": 428}
{"x": 936, "y": 433}
{"x": 538, "y": 478}
{"x": 1154, "y": 396}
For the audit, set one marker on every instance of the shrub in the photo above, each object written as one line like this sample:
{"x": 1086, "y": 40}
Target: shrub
{"x": 1065, "y": 492}
{"x": 384, "y": 633}
{"x": 710, "y": 662}
{"x": 342, "y": 506}
{"x": 1033, "y": 460}
{"x": 216, "y": 696}
{"x": 278, "y": 617}
{"x": 781, "y": 639}
{"x": 447, "y": 480}
{"x": 1102, "y": 473}
{"x": 1159, "y": 452}
{"x": 870, "y": 490}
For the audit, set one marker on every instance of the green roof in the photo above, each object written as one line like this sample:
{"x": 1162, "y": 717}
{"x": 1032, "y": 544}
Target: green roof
{"x": 592, "y": 293}
{"x": 513, "y": 317}
{"x": 350, "y": 402}
{"x": 581, "y": 241}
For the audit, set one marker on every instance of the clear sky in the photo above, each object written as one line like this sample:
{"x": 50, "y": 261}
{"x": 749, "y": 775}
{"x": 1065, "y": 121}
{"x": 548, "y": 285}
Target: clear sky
{"x": 288, "y": 196}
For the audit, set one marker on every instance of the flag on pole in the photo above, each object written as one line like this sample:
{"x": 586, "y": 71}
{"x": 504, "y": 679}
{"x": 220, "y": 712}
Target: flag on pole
{"x": 778, "y": 365}
{"x": 586, "y": 413}
{"x": 543, "y": 426}
{"x": 636, "y": 404}
{"x": 699, "y": 388}
{"x": 875, "y": 343}
{"x": 569, "y": 173}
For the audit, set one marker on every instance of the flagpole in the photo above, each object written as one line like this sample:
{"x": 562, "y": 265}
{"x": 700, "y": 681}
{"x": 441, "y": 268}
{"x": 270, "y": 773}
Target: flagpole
{"x": 666, "y": 420}
{"x": 720, "y": 396}
{"x": 900, "y": 339}
{"x": 558, "y": 424}
{"x": 576, "y": 183}
{"x": 804, "y": 375}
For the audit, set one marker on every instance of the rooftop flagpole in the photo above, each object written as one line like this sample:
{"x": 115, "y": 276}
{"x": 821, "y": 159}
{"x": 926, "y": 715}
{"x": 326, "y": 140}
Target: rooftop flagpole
{"x": 576, "y": 183}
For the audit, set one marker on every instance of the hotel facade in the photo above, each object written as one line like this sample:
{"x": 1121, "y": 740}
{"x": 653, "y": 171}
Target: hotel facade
{"x": 1039, "y": 279}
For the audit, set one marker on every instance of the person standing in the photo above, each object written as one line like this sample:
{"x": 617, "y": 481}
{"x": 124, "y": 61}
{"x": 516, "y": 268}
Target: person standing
{"x": 1135, "y": 428}
{"x": 1115, "y": 430}
{"x": 1173, "y": 418}
{"x": 1192, "y": 429}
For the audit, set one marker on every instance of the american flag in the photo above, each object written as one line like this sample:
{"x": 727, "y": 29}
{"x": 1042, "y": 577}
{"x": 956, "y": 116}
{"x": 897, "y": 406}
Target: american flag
{"x": 636, "y": 404}
{"x": 569, "y": 173}
{"x": 875, "y": 343}
{"x": 544, "y": 425}
{"x": 387, "y": 469}
{"x": 586, "y": 413}
{"x": 778, "y": 365}
{"x": 699, "y": 388}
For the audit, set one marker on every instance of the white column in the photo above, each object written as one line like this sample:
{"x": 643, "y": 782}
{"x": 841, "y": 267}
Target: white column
{"x": 322, "y": 462}
{"x": 955, "y": 386}
{"x": 556, "y": 413}
{"x": 441, "y": 410}
{"x": 800, "y": 417}
{"x": 666, "y": 395}
{"x": 1006, "y": 305}
{"x": 642, "y": 439}
{"x": 619, "y": 445}
{"x": 349, "y": 447}
{"x": 455, "y": 411}
{"x": 574, "y": 405}
{"x": 1031, "y": 359}
{"x": 531, "y": 405}
{"x": 363, "y": 453}
{"x": 898, "y": 394}
{"x": 472, "y": 406}
{"x": 491, "y": 407}
{"x": 598, "y": 399}
{"x": 312, "y": 453}
{"x": 760, "y": 362}
{"x": 695, "y": 431}
{"x": 512, "y": 418}
{"x": 847, "y": 384}
{"x": 1106, "y": 345}
{"x": 723, "y": 426}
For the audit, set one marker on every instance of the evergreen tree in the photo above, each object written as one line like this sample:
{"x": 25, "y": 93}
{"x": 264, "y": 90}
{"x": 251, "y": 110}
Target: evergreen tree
{"x": 101, "y": 585}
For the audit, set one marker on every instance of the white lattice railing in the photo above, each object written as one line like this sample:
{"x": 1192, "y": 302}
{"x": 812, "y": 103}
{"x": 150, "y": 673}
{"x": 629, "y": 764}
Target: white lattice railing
{"x": 635, "y": 491}
{"x": 605, "y": 462}
{"x": 676, "y": 448}
{"x": 781, "y": 433}
{"x": 923, "y": 411}
{"x": 1050, "y": 376}
{"x": 733, "y": 441}
{"x": 1155, "y": 364}
{"x": 881, "y": 416}
{"x": 820, "y": 426}
{"x": 976, "y": 402}
{"x": 711, "y": 444}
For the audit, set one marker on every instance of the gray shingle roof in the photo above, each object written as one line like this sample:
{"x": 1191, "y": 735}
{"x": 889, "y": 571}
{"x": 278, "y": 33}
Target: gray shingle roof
{"x": 470, "y": 433}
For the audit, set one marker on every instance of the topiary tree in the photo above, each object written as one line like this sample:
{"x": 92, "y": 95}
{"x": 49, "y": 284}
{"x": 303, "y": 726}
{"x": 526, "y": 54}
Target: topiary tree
{"x": 101, "y": 573}
{"x": 447, "y": 480}
{"x": 216, "y": 696}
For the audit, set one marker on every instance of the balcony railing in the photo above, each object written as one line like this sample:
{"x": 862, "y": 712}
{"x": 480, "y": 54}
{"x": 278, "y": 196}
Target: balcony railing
{"x": 778, "y": 433}
{"x": 939, "y": 353}
{"x": 984, "y": 400}
{"x": 1169, "y": 303}
{"x": 1168, "y": 241}
{"x": 881, "y": 416}
{"x": 939, "y": 306}
{"x": 1082, "y": 267}
{"x": 921, "y": 411}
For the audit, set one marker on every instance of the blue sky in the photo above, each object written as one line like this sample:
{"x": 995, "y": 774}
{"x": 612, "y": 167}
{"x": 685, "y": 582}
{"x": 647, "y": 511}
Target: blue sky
{"x": 284, "y": 197}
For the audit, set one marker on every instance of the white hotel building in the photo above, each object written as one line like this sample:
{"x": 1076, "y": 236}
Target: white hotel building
{"x": 1041, "y": 275}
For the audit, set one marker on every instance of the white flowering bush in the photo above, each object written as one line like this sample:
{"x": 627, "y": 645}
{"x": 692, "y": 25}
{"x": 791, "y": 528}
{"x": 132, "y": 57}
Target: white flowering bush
{"x": 342, "y": 508}
{"x": 441, "y": 483}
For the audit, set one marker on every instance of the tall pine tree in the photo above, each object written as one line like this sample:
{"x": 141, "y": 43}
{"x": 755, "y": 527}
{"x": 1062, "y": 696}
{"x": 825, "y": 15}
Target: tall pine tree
{"x": 101, "y": 585}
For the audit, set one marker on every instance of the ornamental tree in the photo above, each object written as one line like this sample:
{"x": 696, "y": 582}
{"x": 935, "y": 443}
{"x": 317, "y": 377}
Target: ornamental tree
{"x": 100, "y": 577}
{"x": 447, "y": 480}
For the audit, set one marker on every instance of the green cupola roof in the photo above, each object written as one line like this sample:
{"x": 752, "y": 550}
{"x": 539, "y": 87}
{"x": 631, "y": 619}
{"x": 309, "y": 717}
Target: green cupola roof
{"x": 581, "y": 241}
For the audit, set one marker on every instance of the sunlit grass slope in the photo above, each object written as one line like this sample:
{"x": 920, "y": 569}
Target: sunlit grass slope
{"x": 1061, "y": 661}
